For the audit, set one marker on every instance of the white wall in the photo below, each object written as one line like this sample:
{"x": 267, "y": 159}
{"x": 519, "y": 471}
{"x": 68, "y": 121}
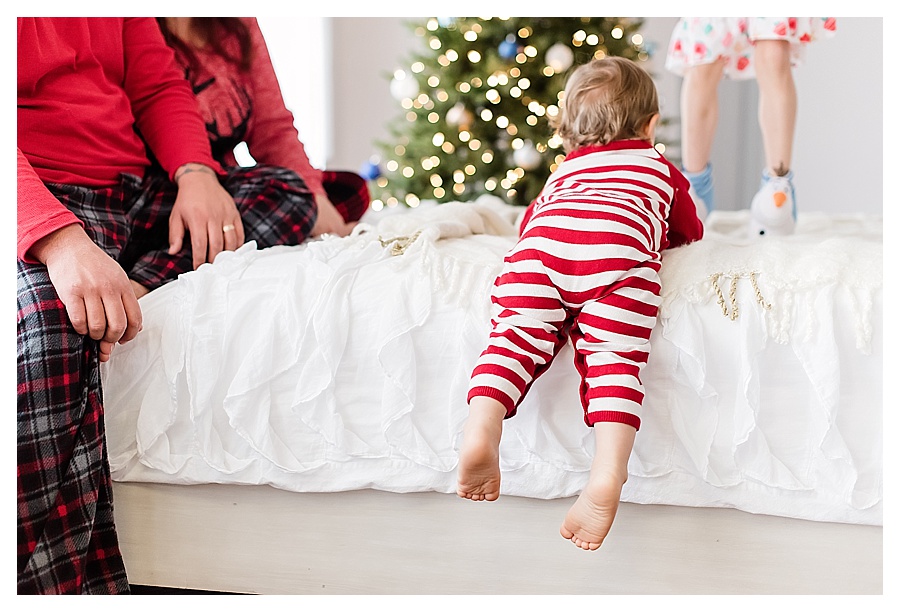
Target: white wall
{"x": 838, "y": 153}
{"x": 366, "y": 51}
{"x": 303, "y": 65}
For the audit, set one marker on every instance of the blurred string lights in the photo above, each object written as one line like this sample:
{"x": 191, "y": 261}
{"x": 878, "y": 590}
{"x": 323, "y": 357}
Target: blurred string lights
{"x": 475, "y": 104}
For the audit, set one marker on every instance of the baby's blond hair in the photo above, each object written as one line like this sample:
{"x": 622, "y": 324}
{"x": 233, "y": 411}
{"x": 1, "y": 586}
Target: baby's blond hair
{"x": 605, "y": 100}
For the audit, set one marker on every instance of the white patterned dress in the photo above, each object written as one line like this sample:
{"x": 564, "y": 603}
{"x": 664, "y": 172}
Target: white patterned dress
{"x": 703, "y": 40}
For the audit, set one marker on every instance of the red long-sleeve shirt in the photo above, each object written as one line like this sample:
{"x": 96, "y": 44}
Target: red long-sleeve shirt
{"x": 88, "y": 89}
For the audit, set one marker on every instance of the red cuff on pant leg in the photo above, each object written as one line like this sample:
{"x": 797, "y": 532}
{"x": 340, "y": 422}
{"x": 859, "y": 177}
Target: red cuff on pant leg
{"x": 496, "y": 394}
{"x": 612, "y": 416}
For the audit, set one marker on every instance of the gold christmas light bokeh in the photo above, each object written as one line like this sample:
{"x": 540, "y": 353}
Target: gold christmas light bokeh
{"x": 475, "y": 104}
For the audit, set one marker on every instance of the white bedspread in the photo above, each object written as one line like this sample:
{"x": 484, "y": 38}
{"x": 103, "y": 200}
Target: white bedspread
{"x": 344, "y": 364}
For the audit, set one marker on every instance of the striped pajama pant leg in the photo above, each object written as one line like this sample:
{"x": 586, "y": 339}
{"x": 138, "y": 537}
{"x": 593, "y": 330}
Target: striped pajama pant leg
{"x": 611, "y": 336}
{"x": 532, "y": 318}
{"x": 529, "y": 326}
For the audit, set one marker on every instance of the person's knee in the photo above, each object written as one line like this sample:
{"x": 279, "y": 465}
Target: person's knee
{"x": 706, "y": 76}
{"x": 353, "y": 180}
{"x": 344, "y": 184}
{"x": 246, "y": 182}
{"x": 45, "y": 331}
{"x": 35, "y": 290}
{"x": 772, "y": 56}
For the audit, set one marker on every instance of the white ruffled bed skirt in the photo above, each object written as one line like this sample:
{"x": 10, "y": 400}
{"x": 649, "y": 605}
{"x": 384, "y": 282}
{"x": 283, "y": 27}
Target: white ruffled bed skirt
{"x": 344, "y": 363}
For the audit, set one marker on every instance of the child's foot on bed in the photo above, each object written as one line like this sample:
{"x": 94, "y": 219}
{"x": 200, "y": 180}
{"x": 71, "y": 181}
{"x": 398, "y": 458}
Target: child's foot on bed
{"x": 589, "y": 519}
{"x": 478, "y": 474}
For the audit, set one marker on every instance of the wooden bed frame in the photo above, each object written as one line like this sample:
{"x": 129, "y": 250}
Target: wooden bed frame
{"x": 258, "y": 539}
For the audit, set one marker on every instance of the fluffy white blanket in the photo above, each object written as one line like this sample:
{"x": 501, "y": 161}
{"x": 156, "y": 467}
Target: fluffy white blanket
{"x": 344, "y": 363}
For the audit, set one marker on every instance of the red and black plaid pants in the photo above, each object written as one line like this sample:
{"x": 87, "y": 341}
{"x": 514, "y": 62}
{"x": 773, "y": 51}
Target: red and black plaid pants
{"x": 348, "y": 192}
{"x": 66, "y": 537}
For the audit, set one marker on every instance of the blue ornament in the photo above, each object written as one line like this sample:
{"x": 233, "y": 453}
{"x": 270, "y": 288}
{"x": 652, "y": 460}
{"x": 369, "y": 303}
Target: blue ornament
{"x": 508, "y": 48}
{"x": 370, "y": 171}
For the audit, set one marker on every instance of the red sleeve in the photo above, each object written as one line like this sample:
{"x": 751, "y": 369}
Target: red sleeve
{"x": 684, "y": 224}
{"x": 164, "y": 107}
{"x": 272, "y": 138}
{"x": 39, "y": 213}
{"x": 526, "y": 217}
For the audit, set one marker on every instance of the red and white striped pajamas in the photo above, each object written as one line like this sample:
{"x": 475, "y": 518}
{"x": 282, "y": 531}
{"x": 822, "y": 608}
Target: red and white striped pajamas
{"x": 586, "y": 267}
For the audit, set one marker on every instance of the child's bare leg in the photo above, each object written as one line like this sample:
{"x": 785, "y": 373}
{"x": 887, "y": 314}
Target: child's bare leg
{"x": 591, "y": 516}
{"x": 699, "y": 113}
{"x": 777, "y": 102}
{"x": 478, "y": 475}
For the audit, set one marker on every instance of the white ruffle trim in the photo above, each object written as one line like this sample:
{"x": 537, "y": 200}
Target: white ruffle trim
{"x": 343, "y": 363}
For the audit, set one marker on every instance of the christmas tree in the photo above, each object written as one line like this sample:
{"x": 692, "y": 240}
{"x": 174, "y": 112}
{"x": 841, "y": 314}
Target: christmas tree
{"x": 476, "y": 102}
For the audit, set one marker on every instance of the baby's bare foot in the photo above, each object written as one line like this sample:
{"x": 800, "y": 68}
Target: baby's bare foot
{"x": 589, "y": 519}
{"x": 478, "y": 475}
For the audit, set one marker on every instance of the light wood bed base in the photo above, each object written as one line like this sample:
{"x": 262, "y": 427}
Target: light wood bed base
{"x": 257, "y": 539}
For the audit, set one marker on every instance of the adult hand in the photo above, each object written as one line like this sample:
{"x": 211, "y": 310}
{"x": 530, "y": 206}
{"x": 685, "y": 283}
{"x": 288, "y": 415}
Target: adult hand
{"x": 94, "y": 288}
{"x": 329, "y": 220}
{"x": 205, "y": 210}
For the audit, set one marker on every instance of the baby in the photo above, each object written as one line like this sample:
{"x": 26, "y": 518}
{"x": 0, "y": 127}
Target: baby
{"x": 585, "y": 268}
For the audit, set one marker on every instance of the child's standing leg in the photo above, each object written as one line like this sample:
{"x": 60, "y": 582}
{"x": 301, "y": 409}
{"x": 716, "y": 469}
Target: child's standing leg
{"x": 699, "y": 113}
{"x": 773, "y": 209}
{"x": 591, "y": 516}
{"x": 777, "y": 102}
{"x": 478, "y": 476}
{"x": 699, "y": 120}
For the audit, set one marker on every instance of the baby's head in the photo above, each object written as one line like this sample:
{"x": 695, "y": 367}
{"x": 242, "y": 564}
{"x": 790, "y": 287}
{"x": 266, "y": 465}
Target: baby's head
{"x": 605, "y": 100}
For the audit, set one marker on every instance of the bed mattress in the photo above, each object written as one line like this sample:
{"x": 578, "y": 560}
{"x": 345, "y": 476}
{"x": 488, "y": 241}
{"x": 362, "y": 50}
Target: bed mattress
{"x": 343, "y": 364}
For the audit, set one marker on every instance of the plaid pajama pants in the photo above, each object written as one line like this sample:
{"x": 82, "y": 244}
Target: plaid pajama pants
{"x": 348, "y": 192}
{"x": 66, "y": 537}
